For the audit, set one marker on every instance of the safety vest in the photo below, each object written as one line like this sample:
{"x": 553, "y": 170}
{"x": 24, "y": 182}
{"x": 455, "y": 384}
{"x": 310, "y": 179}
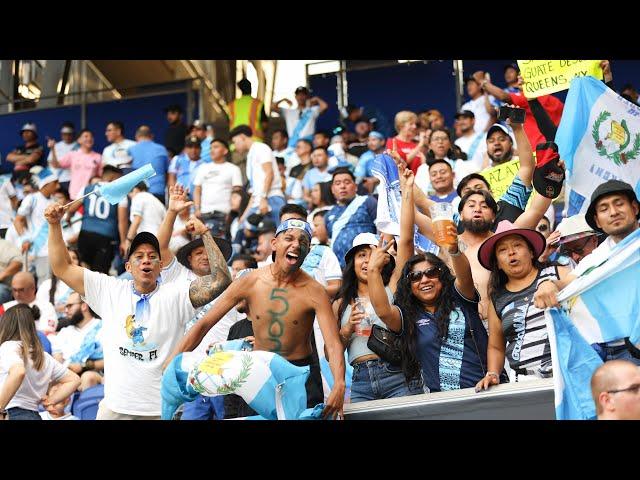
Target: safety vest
{"x": 246, "y": 111}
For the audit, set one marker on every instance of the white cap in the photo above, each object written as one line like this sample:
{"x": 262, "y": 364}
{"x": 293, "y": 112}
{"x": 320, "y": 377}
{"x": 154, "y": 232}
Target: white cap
{"x": 363, "y": 239}
{"x": 29, "y": 126}
{"x": 572, "y": 228}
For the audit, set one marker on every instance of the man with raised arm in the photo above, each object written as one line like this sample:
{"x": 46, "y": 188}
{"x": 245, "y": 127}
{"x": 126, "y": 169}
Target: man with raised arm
{"x": 143, "y": 319}
{"x": 283, "y": 301}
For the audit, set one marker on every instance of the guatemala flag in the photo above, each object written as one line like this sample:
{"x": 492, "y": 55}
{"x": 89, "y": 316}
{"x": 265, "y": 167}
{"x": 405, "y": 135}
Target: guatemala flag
{"x": 599, "y": 139}
{"x": 389, "y": 203}
{"x": 602, "y": 305}
{"x": 272, "y": 386}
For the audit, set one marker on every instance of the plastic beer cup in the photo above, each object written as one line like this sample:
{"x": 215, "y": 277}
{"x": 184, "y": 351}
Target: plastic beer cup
{"x": 364, "y": 327}
{"x": 441, "y": 217}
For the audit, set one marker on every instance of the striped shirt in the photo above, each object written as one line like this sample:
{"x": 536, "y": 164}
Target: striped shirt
{"x": 524, "y": 327}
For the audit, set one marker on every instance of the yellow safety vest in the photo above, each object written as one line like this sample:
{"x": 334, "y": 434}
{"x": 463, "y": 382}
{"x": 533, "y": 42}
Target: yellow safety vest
{"x": 246, "y": 111}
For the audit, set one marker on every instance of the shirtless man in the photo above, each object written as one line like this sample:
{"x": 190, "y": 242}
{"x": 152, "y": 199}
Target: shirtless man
{"x": 283, "y": 301}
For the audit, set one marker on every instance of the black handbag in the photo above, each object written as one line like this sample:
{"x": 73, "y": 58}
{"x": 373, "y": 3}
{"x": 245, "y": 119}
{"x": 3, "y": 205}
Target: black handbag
{"x": 385, "y": 344}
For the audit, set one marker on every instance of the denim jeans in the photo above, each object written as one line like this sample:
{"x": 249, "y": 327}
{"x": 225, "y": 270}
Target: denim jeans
{"x": 615, "y": 353}
{"x": 378, "y": 379}
{"x": 216, "y": 223}
{"x": 204, "y": 408}
{"x": 5, "y": 293}
{"x": 17, "y": 413}
{"x": 275, "y": 203}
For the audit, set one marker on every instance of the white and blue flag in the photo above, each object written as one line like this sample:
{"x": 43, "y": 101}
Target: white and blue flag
{"x": 601, "y": 306}
{"x": 599, "y": 139}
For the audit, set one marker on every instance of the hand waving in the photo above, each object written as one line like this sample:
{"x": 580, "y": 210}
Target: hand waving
{"x": 178, "y": 199}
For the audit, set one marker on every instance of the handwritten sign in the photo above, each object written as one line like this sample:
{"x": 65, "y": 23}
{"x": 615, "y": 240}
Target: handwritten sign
{"x": 501, "y": 176}
{"x": 543, "y": 77}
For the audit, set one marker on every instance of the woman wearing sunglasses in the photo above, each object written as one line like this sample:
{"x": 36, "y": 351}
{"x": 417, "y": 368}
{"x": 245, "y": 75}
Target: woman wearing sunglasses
{"x": 443, "y": 339}
{"x": 374, "y": 378}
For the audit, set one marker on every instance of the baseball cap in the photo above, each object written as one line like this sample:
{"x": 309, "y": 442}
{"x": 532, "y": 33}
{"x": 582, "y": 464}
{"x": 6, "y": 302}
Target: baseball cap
{"x": 266, "y": 225}
{"x": 192, "y": 141}
{"x": 197, "y": 124}
{"x": 66, "y": 129}
{"x": 141, "y": 238}
{"x": 29, "y": 126}
{"x": 173, "y": 108}
{"x": 465, "y": 113}
{"x": 42, "y": 175}
{"x": 302, "y": 89}
{"x": 498, "y": 127}
{"x": 548, "y": 175}
{"x": 377, "y": 135}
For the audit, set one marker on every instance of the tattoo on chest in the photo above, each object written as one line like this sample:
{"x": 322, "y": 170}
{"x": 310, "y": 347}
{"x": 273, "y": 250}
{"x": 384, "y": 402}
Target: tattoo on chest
{"x": 276, "y": 324}
{"x": 461, "y": 245}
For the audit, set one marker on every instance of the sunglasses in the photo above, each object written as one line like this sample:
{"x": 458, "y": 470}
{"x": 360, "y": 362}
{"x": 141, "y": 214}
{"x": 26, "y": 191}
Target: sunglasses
{"x": 633, "y": 389}
{"x": 542, "y": 228}
{"x": 416, "y": 275}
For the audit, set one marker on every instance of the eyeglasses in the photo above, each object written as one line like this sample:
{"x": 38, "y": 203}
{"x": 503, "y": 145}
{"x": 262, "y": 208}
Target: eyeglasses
{"x": 416, "y": 275}
{"x": 632, "y": 388}
{"x": 69, "y": 305}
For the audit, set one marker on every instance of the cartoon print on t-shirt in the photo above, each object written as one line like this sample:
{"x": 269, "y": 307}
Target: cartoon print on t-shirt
{"x": 136, "y": 333}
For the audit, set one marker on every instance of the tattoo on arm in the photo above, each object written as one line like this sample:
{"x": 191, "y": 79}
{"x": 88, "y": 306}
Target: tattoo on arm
{"x": 276, "y": 325}
{"x": 204, "y": 289}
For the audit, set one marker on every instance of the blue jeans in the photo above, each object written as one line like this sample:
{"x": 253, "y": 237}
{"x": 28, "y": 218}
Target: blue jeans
{"x": 615, "y": 353}
{"x": 17, "y": 413}
{"x": 5, "y": 293}
{"x": 378, "y": 379}
{"x": 276, "y": 203}
{"x": 204, "y": 408}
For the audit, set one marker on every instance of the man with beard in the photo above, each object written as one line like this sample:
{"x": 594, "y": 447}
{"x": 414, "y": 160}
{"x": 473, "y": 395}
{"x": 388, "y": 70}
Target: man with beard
{"x": 76, "y": 345}
{"x": 499, "y": 146}
{"x": 283, "y": 301}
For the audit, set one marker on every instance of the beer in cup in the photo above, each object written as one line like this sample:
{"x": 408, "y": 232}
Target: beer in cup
{"x": 441, "y": 217}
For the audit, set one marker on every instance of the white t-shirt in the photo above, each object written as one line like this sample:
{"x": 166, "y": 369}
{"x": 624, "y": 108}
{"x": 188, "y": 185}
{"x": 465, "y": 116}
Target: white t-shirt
{"x": 117, "y": 154}
{"x": 461, "y": 169}
{"x": 7, "y": 191}
{"x": 260, "y": 153}
{"x": 32, "y": 208}
{"x": 465, "y": 144}
{"x": 35, "y": 383}
{"x": 133, "y": 371}
{"x": 328, "y": 268}
{"x": 217, "y": 181}
{"x": 595, "y": 258}
{"x": 69, "y": 339}
{"x": 175, "y": 271}
{"x": 480, "y": 111}
{"x": 150, "y": 209}
{"x": 61, "y": 148}
{"x": 292, "y": 116}
{"x": 48, "y": 321}
{"x": 60, "y": 295}
{"x": 67, "y": 416}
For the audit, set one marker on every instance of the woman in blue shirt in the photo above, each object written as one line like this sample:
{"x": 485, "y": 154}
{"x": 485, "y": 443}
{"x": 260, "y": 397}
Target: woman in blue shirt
{"x": 443, "y": 338}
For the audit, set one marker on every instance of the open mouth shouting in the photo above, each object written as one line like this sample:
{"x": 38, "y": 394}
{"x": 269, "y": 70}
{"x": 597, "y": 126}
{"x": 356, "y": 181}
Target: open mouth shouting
{"x": 292, "y": 258}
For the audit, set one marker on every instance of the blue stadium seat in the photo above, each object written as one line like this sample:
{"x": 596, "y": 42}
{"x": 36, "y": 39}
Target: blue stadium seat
{"x": 85, "y": 407}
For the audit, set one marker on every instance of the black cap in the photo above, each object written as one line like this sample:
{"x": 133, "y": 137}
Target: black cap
{"x": 512, "y": 65}
{"x": 548, "y": 176}
{"x": 174, "y": 108}
{"x": 465, "y": 113}
{"x": 192, "y": 141}
{"x": 302, "y": 90}
{"x": 144, "y": 238}
{"x": 183, "y": 254}
{"x": 266, "y": 225}
{"x": 607, "y": 188}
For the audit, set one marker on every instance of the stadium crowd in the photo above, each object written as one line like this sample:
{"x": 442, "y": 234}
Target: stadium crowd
{"x": 290, "y": 252}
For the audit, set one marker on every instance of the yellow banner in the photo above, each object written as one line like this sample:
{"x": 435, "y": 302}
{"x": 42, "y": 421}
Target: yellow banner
{"x": 542, "y": 77}
{"x": 500, "y": 177}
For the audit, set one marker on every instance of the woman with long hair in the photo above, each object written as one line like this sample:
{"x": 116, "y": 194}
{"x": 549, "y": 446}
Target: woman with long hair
{"x": 373, "y": 377}
{"x": 517, "y": 327}
{"x": 55, "y": 291}
{"x": 443, "y": 339}
{"x": 321, "y": 195}
{"x": 26, "y": 370}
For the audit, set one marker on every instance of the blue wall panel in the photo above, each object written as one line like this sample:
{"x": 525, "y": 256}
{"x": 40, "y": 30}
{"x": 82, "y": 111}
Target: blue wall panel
{"x": 325, "y": 87}
{"x": 48, "y": 122}
{"x": 133, "y": 113}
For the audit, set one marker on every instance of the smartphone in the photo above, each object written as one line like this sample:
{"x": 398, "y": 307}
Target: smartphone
{"x": 516, "y": 115}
